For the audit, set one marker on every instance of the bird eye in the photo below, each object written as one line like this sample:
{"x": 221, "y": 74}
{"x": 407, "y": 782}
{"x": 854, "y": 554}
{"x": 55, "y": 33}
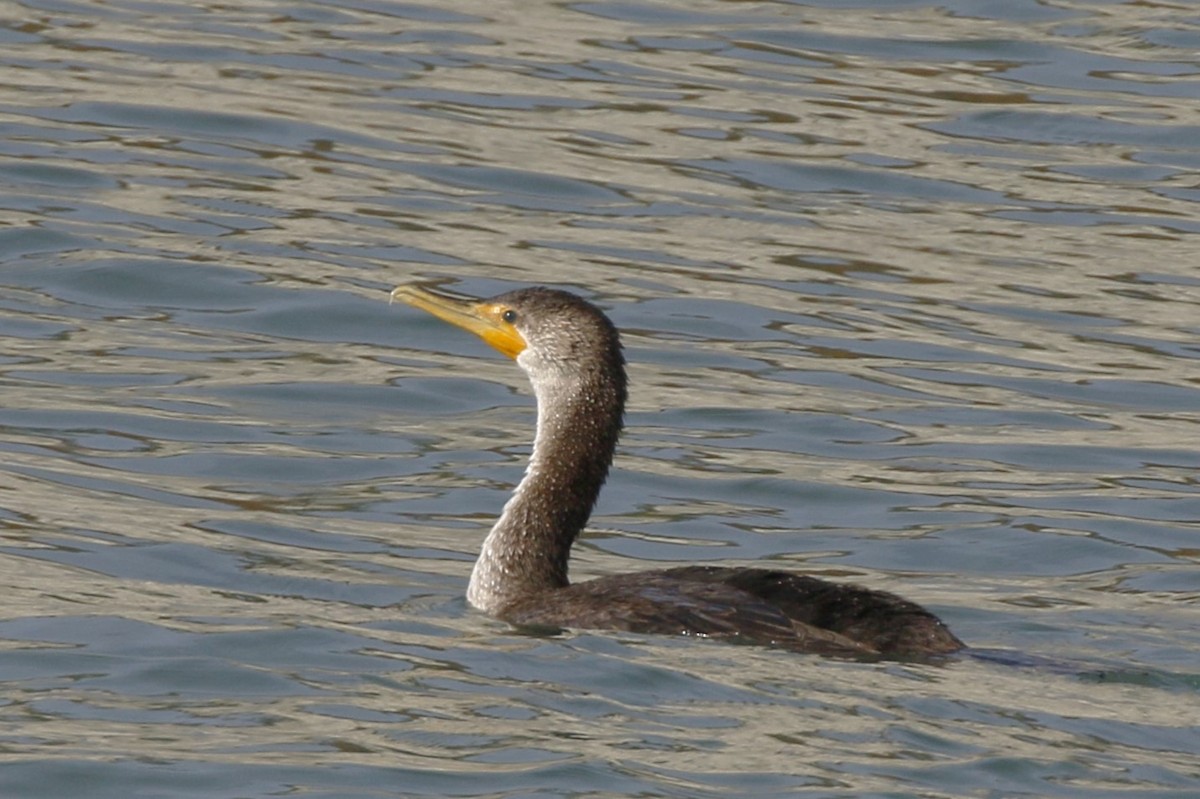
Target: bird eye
{"x": 509, "y": 316}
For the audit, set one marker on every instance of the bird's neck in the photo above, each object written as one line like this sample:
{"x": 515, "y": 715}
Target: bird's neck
{"x": 527, "y": 549}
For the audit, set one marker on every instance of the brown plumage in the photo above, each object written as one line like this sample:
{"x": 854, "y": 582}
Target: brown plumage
{"x": 572, "y": 355}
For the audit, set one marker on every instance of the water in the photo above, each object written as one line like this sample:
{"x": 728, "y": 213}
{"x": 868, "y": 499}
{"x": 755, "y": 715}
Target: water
{"x": 910, "y": 296}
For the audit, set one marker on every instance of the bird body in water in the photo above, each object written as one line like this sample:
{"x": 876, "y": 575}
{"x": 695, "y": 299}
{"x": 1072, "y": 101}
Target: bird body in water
{"x": 572, "y": 354}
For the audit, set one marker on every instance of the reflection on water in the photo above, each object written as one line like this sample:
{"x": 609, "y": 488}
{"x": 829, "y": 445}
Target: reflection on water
{"x": 909, "y": 297}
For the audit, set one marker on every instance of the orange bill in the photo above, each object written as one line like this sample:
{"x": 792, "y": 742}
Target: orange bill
{"x": 483, "y": 318}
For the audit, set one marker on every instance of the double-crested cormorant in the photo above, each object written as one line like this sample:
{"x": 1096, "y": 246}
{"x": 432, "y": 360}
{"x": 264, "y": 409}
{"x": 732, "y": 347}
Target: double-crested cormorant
{"x": 572, "y": 355}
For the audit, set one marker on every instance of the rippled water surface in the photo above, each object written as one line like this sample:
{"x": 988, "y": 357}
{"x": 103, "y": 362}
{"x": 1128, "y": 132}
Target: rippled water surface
{"x": 911, "y": 295}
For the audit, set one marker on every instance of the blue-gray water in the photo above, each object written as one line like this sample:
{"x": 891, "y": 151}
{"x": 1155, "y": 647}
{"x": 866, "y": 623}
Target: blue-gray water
{"x": 911, "y": 295}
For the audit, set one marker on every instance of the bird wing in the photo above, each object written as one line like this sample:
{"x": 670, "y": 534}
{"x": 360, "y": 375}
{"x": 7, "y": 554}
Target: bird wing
{"x": 665, "y": 603}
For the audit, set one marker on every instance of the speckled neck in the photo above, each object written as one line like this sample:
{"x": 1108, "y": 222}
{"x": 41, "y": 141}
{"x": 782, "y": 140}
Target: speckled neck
{"x": 579, "y": 419}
